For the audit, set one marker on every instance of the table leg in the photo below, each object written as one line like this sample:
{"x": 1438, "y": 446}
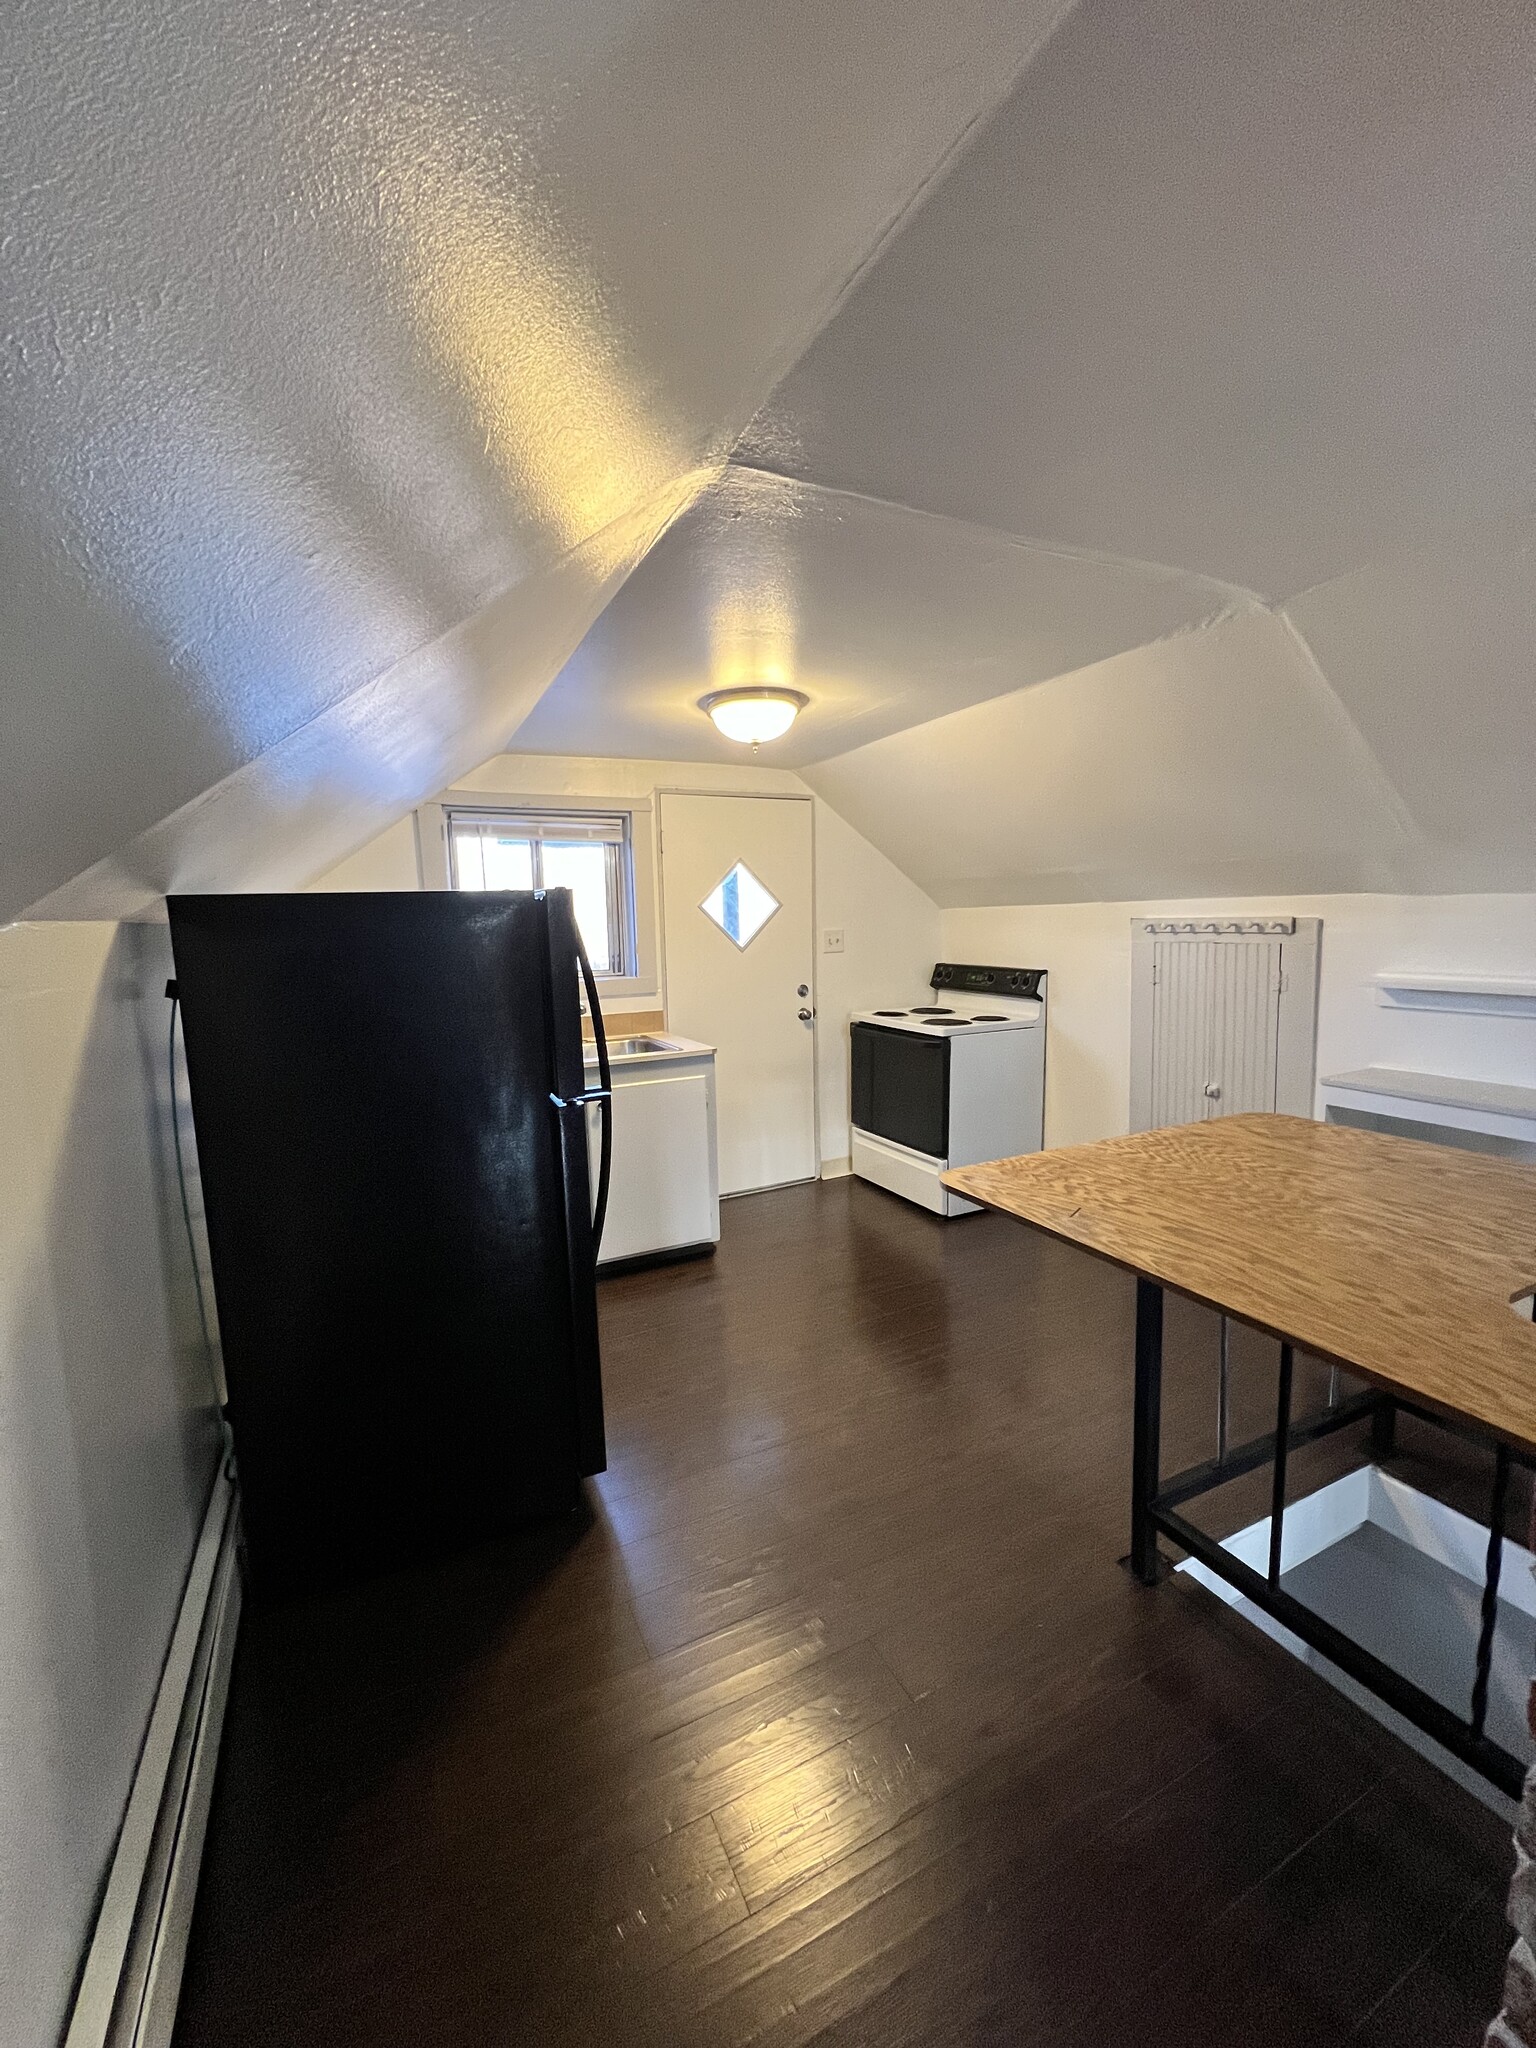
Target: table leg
{"x": 1224, "y": 1391}
{"x": 1282, "y": 1453}
{"x": 1491, "y": 1571}
{"x": 1384, "y": 1428}
{"x": 1147, "y": 1446}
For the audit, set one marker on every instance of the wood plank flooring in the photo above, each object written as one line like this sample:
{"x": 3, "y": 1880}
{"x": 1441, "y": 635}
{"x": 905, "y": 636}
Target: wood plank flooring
{"x": 833, "y": 1719}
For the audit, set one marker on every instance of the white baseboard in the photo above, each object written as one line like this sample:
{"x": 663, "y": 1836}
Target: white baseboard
{"x": 132, "y": 1975}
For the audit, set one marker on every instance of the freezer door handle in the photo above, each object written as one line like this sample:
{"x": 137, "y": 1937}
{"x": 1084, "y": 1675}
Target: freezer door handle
{"x": 602, "y": 1095}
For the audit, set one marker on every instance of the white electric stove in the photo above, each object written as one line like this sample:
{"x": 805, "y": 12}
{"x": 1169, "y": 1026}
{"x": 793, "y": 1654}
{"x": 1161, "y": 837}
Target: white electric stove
{"x": 949, "y": 1081}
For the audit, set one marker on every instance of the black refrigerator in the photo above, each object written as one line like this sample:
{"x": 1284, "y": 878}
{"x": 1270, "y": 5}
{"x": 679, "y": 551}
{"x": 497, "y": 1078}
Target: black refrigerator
{"x": 390, "y": 1103}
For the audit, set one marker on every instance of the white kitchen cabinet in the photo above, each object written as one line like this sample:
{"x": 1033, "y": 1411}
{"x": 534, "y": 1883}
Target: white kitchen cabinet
{"x": 665, "y": 1192}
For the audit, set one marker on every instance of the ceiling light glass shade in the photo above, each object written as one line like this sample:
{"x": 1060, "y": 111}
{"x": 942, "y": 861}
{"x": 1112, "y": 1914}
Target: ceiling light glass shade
{"x": 753, "y": 715}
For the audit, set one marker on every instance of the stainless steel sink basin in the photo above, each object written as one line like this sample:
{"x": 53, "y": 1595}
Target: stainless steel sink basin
{"x": 623, "y": 1048}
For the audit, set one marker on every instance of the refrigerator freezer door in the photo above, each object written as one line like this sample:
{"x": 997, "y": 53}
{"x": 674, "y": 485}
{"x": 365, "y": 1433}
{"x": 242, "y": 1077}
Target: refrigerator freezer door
{"x": 404, "y": 1293}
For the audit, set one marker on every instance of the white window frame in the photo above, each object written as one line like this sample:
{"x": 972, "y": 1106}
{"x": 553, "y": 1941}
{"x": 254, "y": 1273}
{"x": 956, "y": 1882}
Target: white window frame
{"x": 432, "y": 827}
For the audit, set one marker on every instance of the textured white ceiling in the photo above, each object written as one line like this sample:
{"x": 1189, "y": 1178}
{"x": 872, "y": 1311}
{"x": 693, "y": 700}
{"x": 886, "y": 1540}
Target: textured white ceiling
{"x": 1433, "y": 655}
{"x": 1158, "y": 486}
{"x": 1246, "y": 292}
{"x": 1242, "y": 288}
{"x": 1211, "y": 764}
{"x": 334, "y": 337}
{"x": 884, "y": 616}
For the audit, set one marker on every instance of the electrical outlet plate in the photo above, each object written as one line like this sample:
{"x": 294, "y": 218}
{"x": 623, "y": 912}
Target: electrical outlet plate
{"x": 832, "y": 941}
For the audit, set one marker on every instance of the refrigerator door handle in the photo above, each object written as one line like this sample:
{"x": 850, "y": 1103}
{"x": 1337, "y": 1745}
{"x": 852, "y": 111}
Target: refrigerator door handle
{"x": 602, "y": 1095}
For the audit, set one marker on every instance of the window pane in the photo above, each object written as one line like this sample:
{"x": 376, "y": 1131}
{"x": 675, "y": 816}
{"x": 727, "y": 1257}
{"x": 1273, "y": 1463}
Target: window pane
{"x": 587, "y": 852}
{"x": 740, "y": 905}
{"x": 468, "y": 862}
{"x": 508, "y": 862}
{"x": 584, "y": 868}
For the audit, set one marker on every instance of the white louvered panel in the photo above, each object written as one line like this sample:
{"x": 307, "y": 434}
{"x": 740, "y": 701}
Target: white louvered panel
{"x": 1215, "y": 1026}
{"x": 1245, "y": 1021}
{"x": 1227, "y": 1004}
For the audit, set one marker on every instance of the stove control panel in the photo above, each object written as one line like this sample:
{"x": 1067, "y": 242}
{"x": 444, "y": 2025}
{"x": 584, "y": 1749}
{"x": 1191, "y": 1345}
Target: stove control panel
{"x": 989, "y": 981}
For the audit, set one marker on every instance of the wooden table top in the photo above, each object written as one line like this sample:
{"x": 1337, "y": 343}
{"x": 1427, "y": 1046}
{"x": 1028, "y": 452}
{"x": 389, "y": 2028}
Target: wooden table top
{"x": 1398, "y": 1259}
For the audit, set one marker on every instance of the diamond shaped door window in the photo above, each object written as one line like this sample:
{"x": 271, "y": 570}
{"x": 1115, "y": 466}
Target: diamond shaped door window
{"x": 740, "y": 905}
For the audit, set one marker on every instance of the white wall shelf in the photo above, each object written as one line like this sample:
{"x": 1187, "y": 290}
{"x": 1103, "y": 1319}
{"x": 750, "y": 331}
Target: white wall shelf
{"x": 1490, "y": 995}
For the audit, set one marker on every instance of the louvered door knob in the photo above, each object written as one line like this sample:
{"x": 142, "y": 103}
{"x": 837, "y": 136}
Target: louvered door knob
{"x": 1213, "y": 1090}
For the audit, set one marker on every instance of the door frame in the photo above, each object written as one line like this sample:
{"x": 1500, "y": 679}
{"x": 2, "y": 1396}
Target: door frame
{"x": 775, "y": 796}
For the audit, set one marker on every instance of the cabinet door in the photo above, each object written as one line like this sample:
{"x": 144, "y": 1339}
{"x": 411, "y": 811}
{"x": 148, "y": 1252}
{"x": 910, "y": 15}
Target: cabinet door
{"x": 1215, "y": 1027}
{"x": 1181, "y": 1029}
{"x": 1243, "y": 1037}
{"x": 662, "y": 1193}
{"x": 1223, "y": 1018}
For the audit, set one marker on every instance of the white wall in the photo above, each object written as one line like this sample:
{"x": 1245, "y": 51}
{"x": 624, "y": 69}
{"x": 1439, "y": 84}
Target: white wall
{"x": 388, "y": 862}
{"x": 892, "y": 939}
{"x": 1087, "y": 947}
{"x": 890, "y": 927}
{"x": 107, "y": 1437}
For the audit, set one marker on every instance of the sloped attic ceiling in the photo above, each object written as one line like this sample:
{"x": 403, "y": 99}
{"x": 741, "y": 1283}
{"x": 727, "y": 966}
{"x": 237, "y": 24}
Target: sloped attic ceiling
{"x": 1156, "y": 515}
{"x": 353, "y": 357}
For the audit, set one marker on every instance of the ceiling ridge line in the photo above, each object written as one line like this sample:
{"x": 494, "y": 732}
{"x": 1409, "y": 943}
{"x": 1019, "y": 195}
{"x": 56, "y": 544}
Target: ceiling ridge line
{"x": 1058, "y": 550}
{"x": 708, "y": 472}
{"x": 125, "y": 857}
{"x": 971, "y": 130}
{"x": 1370, "y": 762}
{"x": 1189, "y": 629}
{"x": 1493, "y": 522}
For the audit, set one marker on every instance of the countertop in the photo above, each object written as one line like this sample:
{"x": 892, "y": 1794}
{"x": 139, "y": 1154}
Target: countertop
{"x": 676, "y": 1049}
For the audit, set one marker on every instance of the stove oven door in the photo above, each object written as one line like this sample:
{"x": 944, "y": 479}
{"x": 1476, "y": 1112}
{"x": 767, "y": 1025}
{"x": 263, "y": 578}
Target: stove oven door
{"x": 901, "y": 1088}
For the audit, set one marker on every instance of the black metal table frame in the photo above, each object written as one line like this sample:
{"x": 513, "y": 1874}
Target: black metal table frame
{"x": 1154, "y": 1509}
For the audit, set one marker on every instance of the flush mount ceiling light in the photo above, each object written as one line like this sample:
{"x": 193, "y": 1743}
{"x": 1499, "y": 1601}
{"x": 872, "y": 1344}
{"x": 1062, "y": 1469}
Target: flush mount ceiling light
{"x": 752, "y": 715}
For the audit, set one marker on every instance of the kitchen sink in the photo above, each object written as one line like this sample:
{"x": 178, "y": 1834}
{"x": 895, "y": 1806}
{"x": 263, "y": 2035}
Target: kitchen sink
{"x": 623, "y": 1048}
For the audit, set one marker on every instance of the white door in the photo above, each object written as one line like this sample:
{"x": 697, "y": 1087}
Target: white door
{"x": 738, "y": 926}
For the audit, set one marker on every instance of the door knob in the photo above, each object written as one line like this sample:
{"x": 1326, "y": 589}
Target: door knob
{"x": 1213, "y": 1090}
{"x": 805, "y": 1016}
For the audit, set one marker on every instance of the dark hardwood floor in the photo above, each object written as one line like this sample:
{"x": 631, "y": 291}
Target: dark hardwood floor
{"x": 834, "y": 1719}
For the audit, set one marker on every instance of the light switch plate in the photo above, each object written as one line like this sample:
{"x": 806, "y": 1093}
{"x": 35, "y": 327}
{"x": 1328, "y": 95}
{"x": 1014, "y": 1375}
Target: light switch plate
{"x": 832, "y": 941}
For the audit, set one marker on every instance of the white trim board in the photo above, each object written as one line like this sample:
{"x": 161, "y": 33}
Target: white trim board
{"x": 132, "y": 1974}
{"x": 1322, "y": 1519}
